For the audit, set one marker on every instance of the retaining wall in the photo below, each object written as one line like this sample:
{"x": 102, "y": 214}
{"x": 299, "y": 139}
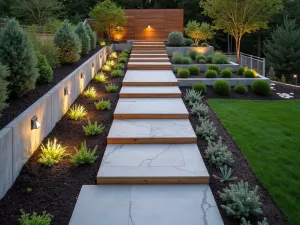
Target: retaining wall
{"x": 203, "y": 67}
{"x": 185, "y": 50}
{"x": 18, "y": 141}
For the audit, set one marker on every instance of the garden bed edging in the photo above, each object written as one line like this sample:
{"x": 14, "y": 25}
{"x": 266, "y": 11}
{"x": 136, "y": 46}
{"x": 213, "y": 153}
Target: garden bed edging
{"x": 18, "y": 141}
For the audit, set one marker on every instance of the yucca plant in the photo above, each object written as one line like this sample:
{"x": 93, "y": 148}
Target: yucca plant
{"x": 113, "y": 55}
{"x": 225, "y": 174}
{"x": 117, "y": 73}
{"x": 77, "y": 112}
{"x": 106, "y": 68}
{"x": 103, "y": 104}
{"x": 111, "y": 88}
{"x": 93, "y": 129}
{"x": 90, "y": 92}
{"x": 100, "y": 77}
{"x": 83, "y": 155}
{"x": 52, "y": 153}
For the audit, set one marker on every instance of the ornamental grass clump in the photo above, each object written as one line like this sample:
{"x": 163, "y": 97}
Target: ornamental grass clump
{"x": 103, "y": 104}
{"x": 117, "y": 73}
{"x": 111, "y": 88}
{"x": 218, "y": 154}
{"x": 84, "y": 155}
{"x": 206, "y": 130}
{"x": 52, "y": 153}
{"x": 35, "y": 219}
{"x": 90, "y": 92}
{"x": 113, "y": 55}
{"x": 100, "y": 77}
{"x": 93, "y": 129}
{"x": 106, "y": 68}
{"x": 110, "y": 63}
{"x": 77, "y": 112}
{"x": 240, "y": 201}
{"x": 199, "y": 109}
{"x": 193, "y": 97}
{"x": 119, "y": 66}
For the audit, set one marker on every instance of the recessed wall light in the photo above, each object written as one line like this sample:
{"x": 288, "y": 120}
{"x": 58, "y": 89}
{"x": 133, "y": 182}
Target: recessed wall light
{"x": 34, "y": 123}
{"x": 66, "y": 90}
{"x": 82, "y": 75}
{"x": 93, "y": 65}
{"x": 149, "y": 26}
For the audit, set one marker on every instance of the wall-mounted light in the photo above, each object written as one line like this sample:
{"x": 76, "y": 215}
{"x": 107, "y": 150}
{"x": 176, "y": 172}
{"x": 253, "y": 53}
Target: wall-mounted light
{"x": 118, "y": 27}
{"x": 149, "y": 26}
{"x": 34, "y": 123}
{"x": 93, "y": 65}
{"x": 66, "y": 90}
{"x": 82, "y": 75}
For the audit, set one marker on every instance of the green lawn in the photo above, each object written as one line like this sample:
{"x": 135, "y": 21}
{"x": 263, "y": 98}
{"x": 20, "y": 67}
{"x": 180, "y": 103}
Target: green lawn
{"x": 268, "y": 134}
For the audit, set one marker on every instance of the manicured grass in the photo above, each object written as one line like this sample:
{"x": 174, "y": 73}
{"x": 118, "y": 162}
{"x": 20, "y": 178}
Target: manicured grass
{"x": 268, "y": 134}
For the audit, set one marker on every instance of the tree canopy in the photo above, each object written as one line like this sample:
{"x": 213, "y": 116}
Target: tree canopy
{"x": 199, "y": 32}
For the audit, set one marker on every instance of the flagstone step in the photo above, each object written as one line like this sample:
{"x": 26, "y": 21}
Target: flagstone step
{"x": 151, "y": 131}
{"x": 150, "y": 78}
{"x": 151, "y": 108}
{"x": 150, "y": 92}
{"x": 180, "y": 204}
{"x": 149, "y": 55}
{"x": 149, "y": 66}
{"x": 149, "y": 59}
{"x": 152, "y": 164}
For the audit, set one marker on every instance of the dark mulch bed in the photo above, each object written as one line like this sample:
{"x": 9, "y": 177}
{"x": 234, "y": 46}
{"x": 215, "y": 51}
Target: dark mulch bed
{"x": 18, "y": 105}
{"x": 56, "y": 189}
{"x": 241, "y": 168}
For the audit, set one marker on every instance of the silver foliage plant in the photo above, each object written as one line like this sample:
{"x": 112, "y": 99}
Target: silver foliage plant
{"x": 218, "y": 154}
{"x": 240, "y": 201}
{"x": 199, "y": 109}
{"x": 193, "y": 97}
{"x": 206, "y": 130}
{"x": 245, "y": 222}
{"x": 225, "y": 174}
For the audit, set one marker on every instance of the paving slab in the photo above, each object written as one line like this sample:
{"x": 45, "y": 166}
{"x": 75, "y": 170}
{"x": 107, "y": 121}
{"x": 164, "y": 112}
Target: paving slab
{"x": 191, "y": 204}
{"x": 150, "y": 92}
{"x": 151, "y": 131}
{"x": 150, "y": 78}
{"x": 154, "y": 163}
{"x": 151, "y": 108}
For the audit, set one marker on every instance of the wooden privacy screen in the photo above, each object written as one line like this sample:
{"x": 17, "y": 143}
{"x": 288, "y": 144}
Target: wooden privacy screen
{"x": 161, "y": 22}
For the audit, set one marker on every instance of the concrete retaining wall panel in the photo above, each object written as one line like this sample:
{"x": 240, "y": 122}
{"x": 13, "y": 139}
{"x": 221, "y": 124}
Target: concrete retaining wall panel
{"x": 203, "y": 67}
{"x": 185, "y": 50}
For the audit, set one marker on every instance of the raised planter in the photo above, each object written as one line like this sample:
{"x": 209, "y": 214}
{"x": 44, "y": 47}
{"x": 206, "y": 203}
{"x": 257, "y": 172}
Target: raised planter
{"x": 185, "y": 50}
{"x": 18, "y": 141}
{"x": 188, "y": 82}
{"x": 203, "y": 67}
{"x": 121, "y": 46}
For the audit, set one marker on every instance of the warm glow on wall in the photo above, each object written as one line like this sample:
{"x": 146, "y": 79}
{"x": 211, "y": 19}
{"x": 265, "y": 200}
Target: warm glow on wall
{"x": 149, "y": 26}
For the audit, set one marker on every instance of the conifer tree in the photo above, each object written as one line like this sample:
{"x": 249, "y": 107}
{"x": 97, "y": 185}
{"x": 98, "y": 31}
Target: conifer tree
{"x": 84, "y": 38}
{"x": 92, "y": 36}
{"x": 4, "y": 73}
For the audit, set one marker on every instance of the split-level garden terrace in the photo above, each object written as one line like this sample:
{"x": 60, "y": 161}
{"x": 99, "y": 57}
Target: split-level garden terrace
{"x": 148, "y": 123}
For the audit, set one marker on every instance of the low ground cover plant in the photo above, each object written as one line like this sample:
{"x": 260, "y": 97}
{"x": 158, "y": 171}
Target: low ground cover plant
{"x": 199, "y": 109}
{"x": 52, "y": 153}
{"x": 84, "y": 155}
{"x": 193, "y": 97}
{"x": 93, "y": 129}
{"x": 111, "y": 88}
{"x": 103, "y": 104}
{"x": 35, "y": 219}
{"x": 77, "y": 112}
{"x": 100, "y": 77}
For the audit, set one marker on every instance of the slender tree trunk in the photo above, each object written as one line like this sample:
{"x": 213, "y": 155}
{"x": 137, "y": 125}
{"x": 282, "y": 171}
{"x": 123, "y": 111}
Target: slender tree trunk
{"x": 259, "y": 46}
{"x": 238, "y": 47}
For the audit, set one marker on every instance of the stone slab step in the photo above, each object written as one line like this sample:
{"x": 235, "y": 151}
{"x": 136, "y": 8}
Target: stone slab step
{"x": 151, "y": 108}
{"x": 149, "y": 59}
{"x": 152, "y": 164}
{"x": 149, "y": 55}
{"x": 180, "y": 204}
{"x": 151, "y": 131}
{"x": 148, "y": 47}
{"x": 148, "y": 52}
{"x": 150, "y": 78}
{"x": 149, "y": 66}
{"x": 150, "y": 92}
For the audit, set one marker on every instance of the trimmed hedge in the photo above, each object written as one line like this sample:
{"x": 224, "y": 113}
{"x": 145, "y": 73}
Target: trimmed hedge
{"x": 199, "y": 87}
{"x": 261, "y": 87}
{"x": 222, "y": 87}
{"x": 194, "y": 70}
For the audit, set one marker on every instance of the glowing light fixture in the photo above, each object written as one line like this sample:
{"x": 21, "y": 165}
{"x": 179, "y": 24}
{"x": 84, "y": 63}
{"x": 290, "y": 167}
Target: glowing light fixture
{"x": 34, "y": 123}
{"x": 295, "y": 77}
{"x": 149, "y": 26}
{"x": 82, "y": 75}
{"x": 66, "y": 90}
{"x": 93, "y": 65}
{"x": 118, "y": 27}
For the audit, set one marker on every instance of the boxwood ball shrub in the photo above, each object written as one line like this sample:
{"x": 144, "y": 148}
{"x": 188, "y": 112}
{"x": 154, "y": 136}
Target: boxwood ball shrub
{"x": 199, "y": 87}
{"x": 249, "y": 74}
{"x": 84, "y": 38}
{"x": 213, "y": 67}
{"x": 226, "y": 73}
{"x": 4, "y": 72}
{"x": 175, "y": 38}
{"x": 194, "y": 70}
{"x": 222, "y": 87}
{"x": 183, "y": 73}
{"x": 204, "y": 44}
{"x": 219, "y": 58}
{"x": 193, "y": 54}
{"x": 211, "y": 74}
{"x": 241, "y": 70}
{"x": 241, "y": 89}
{"x": 209, "y": 58}
{"x": 186, "y": 60}
{"x": 260, "y": 87}
{"x": 201, "y": 58}
{"x": 68, "y": 42}
{"x": 92, "y": 36}
{"x": 188, "y": 41}
{"x": 194, "y": 45}
{"x": 44, "y": 69}
{"x": 18, "y": 55}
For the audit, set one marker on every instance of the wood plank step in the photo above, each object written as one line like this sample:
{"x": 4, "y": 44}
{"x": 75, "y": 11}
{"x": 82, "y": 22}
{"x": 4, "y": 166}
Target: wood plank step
{"x": 149, "y": 78}
{"x": 152, "y": 164}
{"x": 149, "y": 66}
{"x": 178, "y": 204}
{"x": 148, "y": 47}
{"x": 149, "y": 55}
{"x": 149, "y": 59}
{"x": 150, "y": 92}
{"x": 148, "y": 52}
{"x": 151, "y": 131}
{"x": 151, "y": 108}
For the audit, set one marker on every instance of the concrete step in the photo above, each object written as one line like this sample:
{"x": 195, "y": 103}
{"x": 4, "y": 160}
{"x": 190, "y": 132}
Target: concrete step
{"x": 150, "y": 78}
{"x": 149, "y": 66}
{"x": 178, "y": 204}
{"x": 149, "y": 55}
{"x": 151, "y": 108}
{"x": 148, "y": 43}
{"x": 151, "y": 131}
{"x": 150, "y": 92}
{"x": 149, "y": 59}
{"x": 152, "y": 164}
{"x": 148, "y": 47}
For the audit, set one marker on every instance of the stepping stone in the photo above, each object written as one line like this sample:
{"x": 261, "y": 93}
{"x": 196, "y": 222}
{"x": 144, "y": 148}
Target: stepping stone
{"x": 151, "y": 131}
{"x": 151, "y": 108}
{"x": 150, "y": 78}
{"x": 153, "y": 164}
{"x": 150, "y": 92}
{"x": 149, "y": 59}
{"x": 149, "y": 55}
{"x": 180, "y": 204}
{"x": 149, "y": 66}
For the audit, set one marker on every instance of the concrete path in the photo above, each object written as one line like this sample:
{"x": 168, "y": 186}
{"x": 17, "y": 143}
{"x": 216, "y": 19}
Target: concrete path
{"x": 152, "y": 172}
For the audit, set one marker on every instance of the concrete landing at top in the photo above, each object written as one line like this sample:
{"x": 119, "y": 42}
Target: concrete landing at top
{"x": 146, "y": 205}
